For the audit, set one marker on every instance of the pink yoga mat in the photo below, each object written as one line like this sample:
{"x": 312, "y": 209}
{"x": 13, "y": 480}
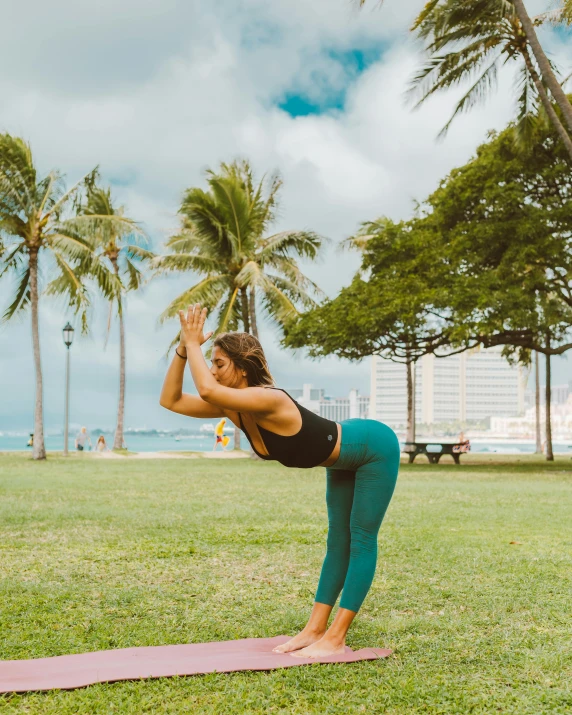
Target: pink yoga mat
{"x": 106, "y": 666}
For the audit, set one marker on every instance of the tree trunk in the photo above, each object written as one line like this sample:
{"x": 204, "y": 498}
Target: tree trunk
{"x": 252, "y": 311}
{"x": 537, "y": 402}
{"x": 38, "y": 449}
{"x": 410, "y": 369}
{"x": 547, "y": 104}
{"x": 236, "y": 438}
{"x": 549, "y": 452}
{"x": 119, "y": 440}
{"x": 244, "y": 310}
{"x": 546, "y": 70}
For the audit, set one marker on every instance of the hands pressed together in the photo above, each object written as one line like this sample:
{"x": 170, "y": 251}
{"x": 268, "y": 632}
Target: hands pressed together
{"x": 192, "y": 326}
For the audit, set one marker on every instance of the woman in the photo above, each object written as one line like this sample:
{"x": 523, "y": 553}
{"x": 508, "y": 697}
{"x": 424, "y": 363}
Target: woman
{"x": 361, "y": 457}
{"x": 101, "y": 445}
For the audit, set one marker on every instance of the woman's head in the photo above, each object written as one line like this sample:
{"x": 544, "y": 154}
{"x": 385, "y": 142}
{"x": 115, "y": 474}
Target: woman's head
{"x": 101, "y": 439}
{"x": 237, "y": 357}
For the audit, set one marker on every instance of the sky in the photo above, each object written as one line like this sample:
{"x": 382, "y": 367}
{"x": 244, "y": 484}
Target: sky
{"x": 157, "y": 91}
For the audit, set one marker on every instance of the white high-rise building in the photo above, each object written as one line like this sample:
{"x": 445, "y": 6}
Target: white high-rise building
{"x": 332, "y": 408}
{"x": 345, "y": 408}
{"x": 473, "y": 385}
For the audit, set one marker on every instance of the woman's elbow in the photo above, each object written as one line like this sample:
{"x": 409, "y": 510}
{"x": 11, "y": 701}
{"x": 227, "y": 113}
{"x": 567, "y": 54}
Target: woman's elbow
{"x": 206, "y": 393}
{"x": 164, "y": 402}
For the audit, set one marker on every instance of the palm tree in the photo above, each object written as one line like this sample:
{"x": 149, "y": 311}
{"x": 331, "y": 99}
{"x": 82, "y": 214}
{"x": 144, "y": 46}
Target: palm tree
{"x": 474, "y": 38}
{"x": 115, "y": 240}
{"x": 223, "y": 239}
{"x": 34, "y": 233}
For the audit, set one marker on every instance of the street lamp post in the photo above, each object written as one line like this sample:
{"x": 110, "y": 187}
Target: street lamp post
{"x": 68, "y": 340}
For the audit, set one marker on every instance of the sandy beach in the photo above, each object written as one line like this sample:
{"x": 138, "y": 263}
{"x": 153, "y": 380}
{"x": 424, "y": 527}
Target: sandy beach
{"x": 234, "y": 454}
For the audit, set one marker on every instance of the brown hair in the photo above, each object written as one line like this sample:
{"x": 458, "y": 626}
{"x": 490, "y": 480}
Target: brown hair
{"x": 247, "y": 354}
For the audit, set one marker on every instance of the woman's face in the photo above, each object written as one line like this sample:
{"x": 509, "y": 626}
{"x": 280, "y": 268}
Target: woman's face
{"x": 224, "y": 370}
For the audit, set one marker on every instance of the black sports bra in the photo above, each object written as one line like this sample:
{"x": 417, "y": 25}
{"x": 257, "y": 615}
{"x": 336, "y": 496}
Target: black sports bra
{"x": 309, "y": 447}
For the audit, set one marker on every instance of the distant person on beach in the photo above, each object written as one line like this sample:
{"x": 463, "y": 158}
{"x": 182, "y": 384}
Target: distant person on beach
{"x": 81, "y": 438}
{"x": 464, "y": 445}
{"x": 101, "y": 445}
{"x": 220, "y": 437}
{"x": 30, "y": 442}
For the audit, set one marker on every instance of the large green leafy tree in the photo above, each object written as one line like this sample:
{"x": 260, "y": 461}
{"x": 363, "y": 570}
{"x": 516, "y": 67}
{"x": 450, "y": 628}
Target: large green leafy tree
{"x": 504, "y": 227}
{"x": 224, "y": 238}
{"x": 387, "y": 310}
{"x": 118, "y": 245}
{"x": 38, "y": 235}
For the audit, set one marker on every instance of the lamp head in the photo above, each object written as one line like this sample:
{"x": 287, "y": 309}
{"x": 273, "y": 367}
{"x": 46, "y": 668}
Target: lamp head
{"x": 68, "y": 332}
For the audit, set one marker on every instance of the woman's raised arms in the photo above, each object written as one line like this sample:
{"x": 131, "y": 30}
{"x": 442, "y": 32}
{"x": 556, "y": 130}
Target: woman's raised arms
{"x": 192, "y": 406}
{"x": 260, "y": 400}
{"x": 244, "y": 399}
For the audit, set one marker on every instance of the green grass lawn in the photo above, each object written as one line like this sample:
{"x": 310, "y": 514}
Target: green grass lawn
{"x": 98, "y": 554}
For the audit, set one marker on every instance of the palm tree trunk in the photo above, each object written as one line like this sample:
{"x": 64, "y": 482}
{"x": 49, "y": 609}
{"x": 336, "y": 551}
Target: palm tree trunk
{"x": 548, "y": 75}
{"x": 244, "y": 310}
{"x": 547, "y": 104}
{"x": 119, "y": 440}
{"x": 537, "y": 402}
{"x": 252, "y": 311}
{"x": 549, "y": 452}
{"x": 39, "y": 449}
{"x": 410, "y": 436}
{"x": 236, "y": 438}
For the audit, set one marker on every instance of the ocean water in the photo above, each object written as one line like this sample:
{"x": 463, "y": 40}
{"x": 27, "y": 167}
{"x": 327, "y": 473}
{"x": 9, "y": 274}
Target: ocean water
{"x": 203, "y": 442}
{"x": 200, "y": 442}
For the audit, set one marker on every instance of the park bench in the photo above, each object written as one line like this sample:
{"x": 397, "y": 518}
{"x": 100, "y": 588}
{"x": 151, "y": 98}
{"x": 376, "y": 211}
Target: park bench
{"x": 435, "y": 450}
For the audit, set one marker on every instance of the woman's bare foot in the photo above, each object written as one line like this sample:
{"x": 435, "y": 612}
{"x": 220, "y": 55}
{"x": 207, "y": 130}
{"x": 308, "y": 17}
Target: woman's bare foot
{"x": 321, "y": 649}
{"x": 302, "y": 640}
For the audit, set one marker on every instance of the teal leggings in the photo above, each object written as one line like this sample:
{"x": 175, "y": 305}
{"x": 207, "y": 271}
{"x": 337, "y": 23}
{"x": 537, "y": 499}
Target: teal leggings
{"x": 360, "y": 485}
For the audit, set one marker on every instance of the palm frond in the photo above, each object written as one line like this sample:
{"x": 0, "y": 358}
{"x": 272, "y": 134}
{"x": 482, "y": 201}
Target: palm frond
{"x": 108, "y": 283}
{"x": 302, "y": 243}
{"x": 14, "y": 259}
{"x": 294, "y": 292}
{"x": 22, "y": 296}
{"x": 17, "y": 177}
{"x": 449, "y": 70}
{"x": 288, "y": 268}
{"x": 228, "y": 317}
{"x": 134, "y": 275}
{"x": 237, "y": 216}
{"x": 67, "y": 195}
{"x": 527, "y": 110}
{"x": 108, "y": 225}
{"x": 138, "y": 253}
{"x": 182, "y": 263}
{"x": 49, "y": 191}
{"x": 208, "y": 292}
{"x": 72, "y": 246}
{"x": 206, "y": 218}
{"x": 476, "y": 94}
{"x": 277, "y": 303}
{"x": 68, "y": 284}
